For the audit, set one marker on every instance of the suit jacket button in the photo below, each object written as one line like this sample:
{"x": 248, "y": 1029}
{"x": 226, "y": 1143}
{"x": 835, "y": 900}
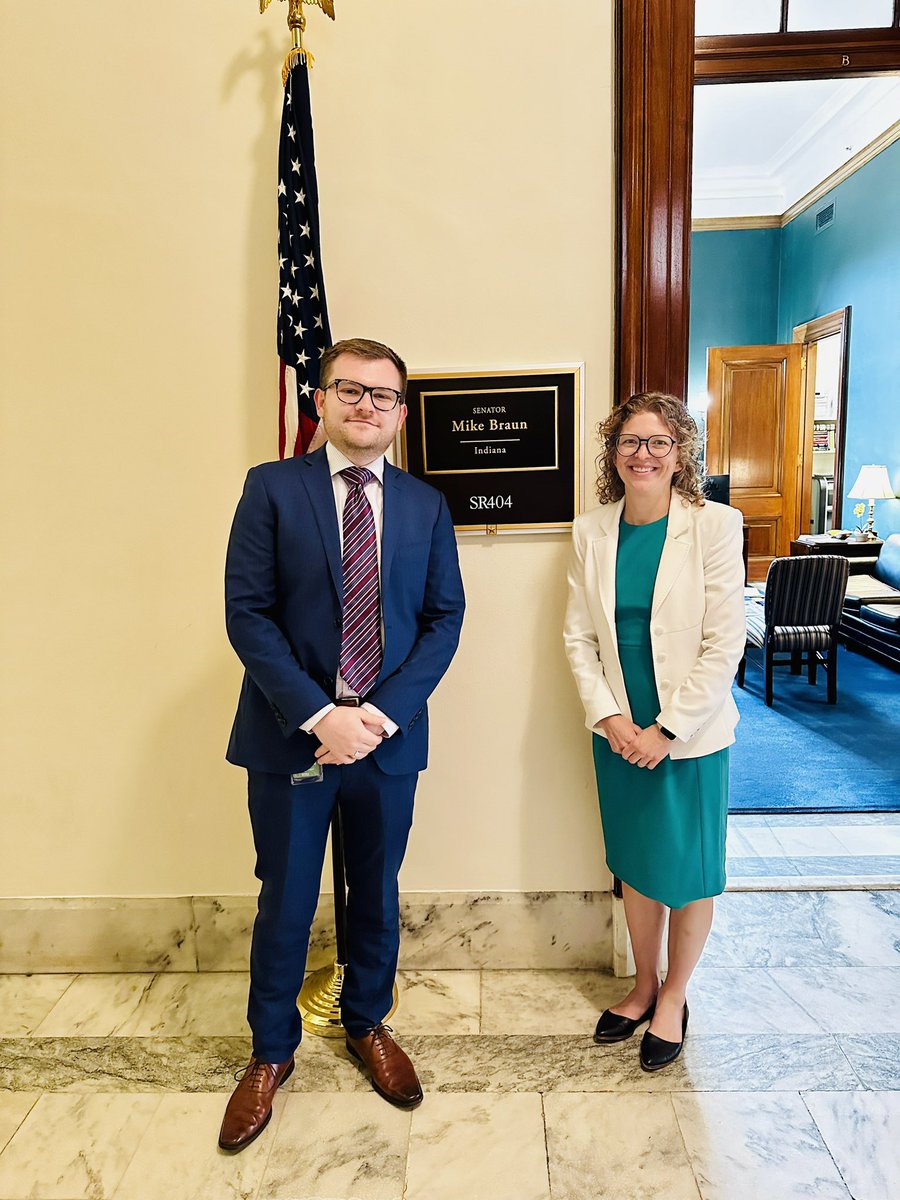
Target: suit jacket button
{"x": 337, "y": 622}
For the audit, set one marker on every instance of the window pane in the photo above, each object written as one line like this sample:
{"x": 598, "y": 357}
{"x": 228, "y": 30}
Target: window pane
{"x": 713, "y": 17}
{"x": 839, "y": 14}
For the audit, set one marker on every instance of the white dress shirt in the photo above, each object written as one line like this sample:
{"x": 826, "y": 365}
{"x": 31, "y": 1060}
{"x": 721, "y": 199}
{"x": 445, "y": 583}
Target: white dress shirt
{"x": 374, "y": 490}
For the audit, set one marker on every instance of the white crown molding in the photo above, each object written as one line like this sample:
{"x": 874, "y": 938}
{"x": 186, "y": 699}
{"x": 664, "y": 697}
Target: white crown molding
{"x": 732, "y": 211}
{"x": 716, "y": 224}
{"x": 838, "y": 137}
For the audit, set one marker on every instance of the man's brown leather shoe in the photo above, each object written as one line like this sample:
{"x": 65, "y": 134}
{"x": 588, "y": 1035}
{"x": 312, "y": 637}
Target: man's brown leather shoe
{"x": 250, "y": 1108}
{"x": 393, "y": 1075}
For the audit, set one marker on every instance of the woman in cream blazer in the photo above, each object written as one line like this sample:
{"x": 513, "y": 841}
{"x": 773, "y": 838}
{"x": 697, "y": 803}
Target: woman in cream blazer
{"x": 654, "y": 633}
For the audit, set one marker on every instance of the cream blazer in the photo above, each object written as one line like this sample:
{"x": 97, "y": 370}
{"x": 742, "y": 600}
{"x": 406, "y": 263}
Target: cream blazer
{"x": 697, "y": 625}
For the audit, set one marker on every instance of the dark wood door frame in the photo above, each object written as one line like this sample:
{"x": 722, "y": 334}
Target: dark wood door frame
{"x": 657, "y": 62}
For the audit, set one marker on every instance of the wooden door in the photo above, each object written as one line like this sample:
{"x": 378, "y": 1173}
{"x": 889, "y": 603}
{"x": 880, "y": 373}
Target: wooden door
{"x": 754, "y": 430}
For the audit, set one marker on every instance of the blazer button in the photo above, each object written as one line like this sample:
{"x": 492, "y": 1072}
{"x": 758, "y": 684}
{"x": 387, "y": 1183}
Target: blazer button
{"x": 337, "y": 622}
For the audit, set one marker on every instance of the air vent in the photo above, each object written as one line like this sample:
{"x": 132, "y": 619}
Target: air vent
{"x": 824, "y": 217}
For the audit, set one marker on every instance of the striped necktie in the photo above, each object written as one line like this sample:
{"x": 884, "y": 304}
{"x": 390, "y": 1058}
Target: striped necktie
{"x": 361, "y": 639}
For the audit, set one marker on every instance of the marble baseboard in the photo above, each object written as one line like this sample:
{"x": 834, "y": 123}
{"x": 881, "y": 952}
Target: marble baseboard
{"x": 440, "y": 931}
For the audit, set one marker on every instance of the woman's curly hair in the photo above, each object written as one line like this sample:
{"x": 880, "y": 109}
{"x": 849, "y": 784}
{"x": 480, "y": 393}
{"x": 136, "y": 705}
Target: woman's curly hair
{"x": 688, "y": 478}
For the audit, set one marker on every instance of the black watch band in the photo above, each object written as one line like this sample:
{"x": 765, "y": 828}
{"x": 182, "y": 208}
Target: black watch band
{"x": 667, "y": 733}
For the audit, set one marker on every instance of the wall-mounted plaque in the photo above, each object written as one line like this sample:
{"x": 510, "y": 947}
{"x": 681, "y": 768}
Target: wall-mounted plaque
{"x": 503, "y": 446}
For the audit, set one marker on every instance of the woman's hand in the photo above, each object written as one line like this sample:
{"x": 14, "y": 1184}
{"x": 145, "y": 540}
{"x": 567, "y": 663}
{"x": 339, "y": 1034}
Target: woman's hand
{"x": 620, "y": 732}
{"x": 648, "y": 748}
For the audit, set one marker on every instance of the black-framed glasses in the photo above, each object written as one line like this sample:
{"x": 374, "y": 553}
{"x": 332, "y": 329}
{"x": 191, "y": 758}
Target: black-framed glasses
{"x": 351, "y": 392}
{"x": 659, "y": 445}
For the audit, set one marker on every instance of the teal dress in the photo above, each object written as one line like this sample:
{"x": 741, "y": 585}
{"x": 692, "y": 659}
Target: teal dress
{"x": 664, "y": 829}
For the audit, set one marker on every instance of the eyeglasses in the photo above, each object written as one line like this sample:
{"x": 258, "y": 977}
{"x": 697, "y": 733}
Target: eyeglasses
{"x": 351, "y": 392}
{"x": 659, "y": 445}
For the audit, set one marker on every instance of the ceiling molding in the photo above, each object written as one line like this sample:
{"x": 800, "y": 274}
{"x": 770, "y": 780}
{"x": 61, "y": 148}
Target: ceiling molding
{"x": 706, "y": 224}
{"x": 850, "y": 167}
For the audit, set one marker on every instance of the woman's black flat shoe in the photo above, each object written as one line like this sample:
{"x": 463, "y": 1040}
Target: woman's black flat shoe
{"x": 657, "y": 1053}
{"x": 613, "y": 1028}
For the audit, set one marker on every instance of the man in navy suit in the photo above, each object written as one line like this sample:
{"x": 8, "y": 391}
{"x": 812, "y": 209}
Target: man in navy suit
{"x": 344, "y": 602}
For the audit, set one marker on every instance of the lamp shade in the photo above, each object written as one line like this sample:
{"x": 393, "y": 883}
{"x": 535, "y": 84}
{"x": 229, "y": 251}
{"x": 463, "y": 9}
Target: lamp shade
{"x": 872, "y": 483}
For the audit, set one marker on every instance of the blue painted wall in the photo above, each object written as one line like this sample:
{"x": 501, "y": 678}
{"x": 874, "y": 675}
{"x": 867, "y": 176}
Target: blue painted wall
{"x": 734, "y": 295}
{"x": 856, "y": 261}
{"x": 753, "y": 286}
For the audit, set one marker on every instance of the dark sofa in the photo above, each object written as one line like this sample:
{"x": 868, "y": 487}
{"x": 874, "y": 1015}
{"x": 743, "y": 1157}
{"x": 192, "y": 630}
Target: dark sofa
{"x": 871, "y": 615}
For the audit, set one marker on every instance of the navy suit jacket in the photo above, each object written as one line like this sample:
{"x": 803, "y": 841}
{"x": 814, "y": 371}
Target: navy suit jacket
{"x": 284, "y": 603}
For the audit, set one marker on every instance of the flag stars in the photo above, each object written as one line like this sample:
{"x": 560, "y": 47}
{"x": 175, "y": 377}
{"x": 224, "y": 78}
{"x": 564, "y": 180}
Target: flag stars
{"x": 314, "y": 292}
{"x": 286, "y": 292}
{"x": 310, "y": 260}
{"x": 301, "y": 196}
{"x": 295, "y": 165}
{"x": 305, "y": 389}
{"x": 293, "y": 270}
{"x": 304, "y": 231}
{"x": 302, "y": 359}
{"x": 282, "y": 190}
{"x": 291, "y": 132}
{"x": 281, "y": 261}
{"x": 299, "y": 328}
{"x": 318, "y": 323}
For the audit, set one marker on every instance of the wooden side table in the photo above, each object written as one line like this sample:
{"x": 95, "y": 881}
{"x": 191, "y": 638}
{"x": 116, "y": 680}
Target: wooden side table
{"x": 823, "y": 544}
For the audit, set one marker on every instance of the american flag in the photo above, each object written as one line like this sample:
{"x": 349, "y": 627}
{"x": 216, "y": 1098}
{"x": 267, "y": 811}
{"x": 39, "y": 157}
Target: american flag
{"x": 303, "y": 329}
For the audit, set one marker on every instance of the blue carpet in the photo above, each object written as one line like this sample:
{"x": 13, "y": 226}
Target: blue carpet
{"x": 804, "y": 755}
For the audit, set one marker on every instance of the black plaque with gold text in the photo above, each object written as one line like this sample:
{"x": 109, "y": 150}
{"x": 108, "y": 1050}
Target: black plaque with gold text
{"x": 503, "y": 446}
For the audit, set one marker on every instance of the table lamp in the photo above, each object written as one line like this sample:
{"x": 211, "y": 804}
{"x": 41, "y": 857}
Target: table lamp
{"x": 872, "y": 483}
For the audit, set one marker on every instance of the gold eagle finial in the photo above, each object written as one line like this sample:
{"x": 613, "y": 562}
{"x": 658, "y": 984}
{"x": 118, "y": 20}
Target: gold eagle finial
{"x": 297, "y": 25}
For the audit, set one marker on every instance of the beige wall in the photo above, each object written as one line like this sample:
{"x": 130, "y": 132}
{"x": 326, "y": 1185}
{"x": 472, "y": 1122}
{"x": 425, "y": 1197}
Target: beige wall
{"x": 465, "y": 169}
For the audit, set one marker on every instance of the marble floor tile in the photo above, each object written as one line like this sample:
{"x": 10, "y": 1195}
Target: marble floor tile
{"x": 736, "y": 845}
{"x": 839, "y": 928}
{"x": 745, "y": 1000}
{"x": 875, "y": 1059}
{"x": 616, "y": 1148}
{"x": 438, "y": 1002}
{"x": 761, "y": 868}
{"x": 14, "y": 1108}
{"x": 445, "y": 1063}
{"x": 800, "y": 841}
{"x": 523, "y": 1063}
{"x": 26, "y": 999}
{"x": 763, "y": 842}
{"x": 861, "y": 1000}
{"x": 209, "y": 1004}
{"x": 337, "y": 1146}
{"x": 861, "y": 839}
{"x": 478, "y": 1147}
{"x": 178, "y": 1157}
{"x": 862, "y": 1133}
{"x": 744, "y": 1144}
{"x": 847, "y": 866}
{"x": 842, "y": 819}
{"x": 70, "y": 1147}
{"x": 188, "y": 1064}
{"x": 96, "y": 1006}
{"x": 544, "y": 1002}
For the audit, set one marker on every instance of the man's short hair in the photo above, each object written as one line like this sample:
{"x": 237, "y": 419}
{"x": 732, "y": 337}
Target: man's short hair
{"x": 361, "y": 348}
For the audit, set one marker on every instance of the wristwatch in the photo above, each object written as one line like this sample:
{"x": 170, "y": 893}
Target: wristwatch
{"x": 667, "y": 733}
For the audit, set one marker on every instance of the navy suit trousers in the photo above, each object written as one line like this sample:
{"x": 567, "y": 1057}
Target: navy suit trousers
{"x": 290, "y": 829}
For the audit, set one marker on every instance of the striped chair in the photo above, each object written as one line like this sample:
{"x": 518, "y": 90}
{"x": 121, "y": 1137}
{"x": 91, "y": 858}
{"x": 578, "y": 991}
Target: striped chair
{"x": 801, "y": 613}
